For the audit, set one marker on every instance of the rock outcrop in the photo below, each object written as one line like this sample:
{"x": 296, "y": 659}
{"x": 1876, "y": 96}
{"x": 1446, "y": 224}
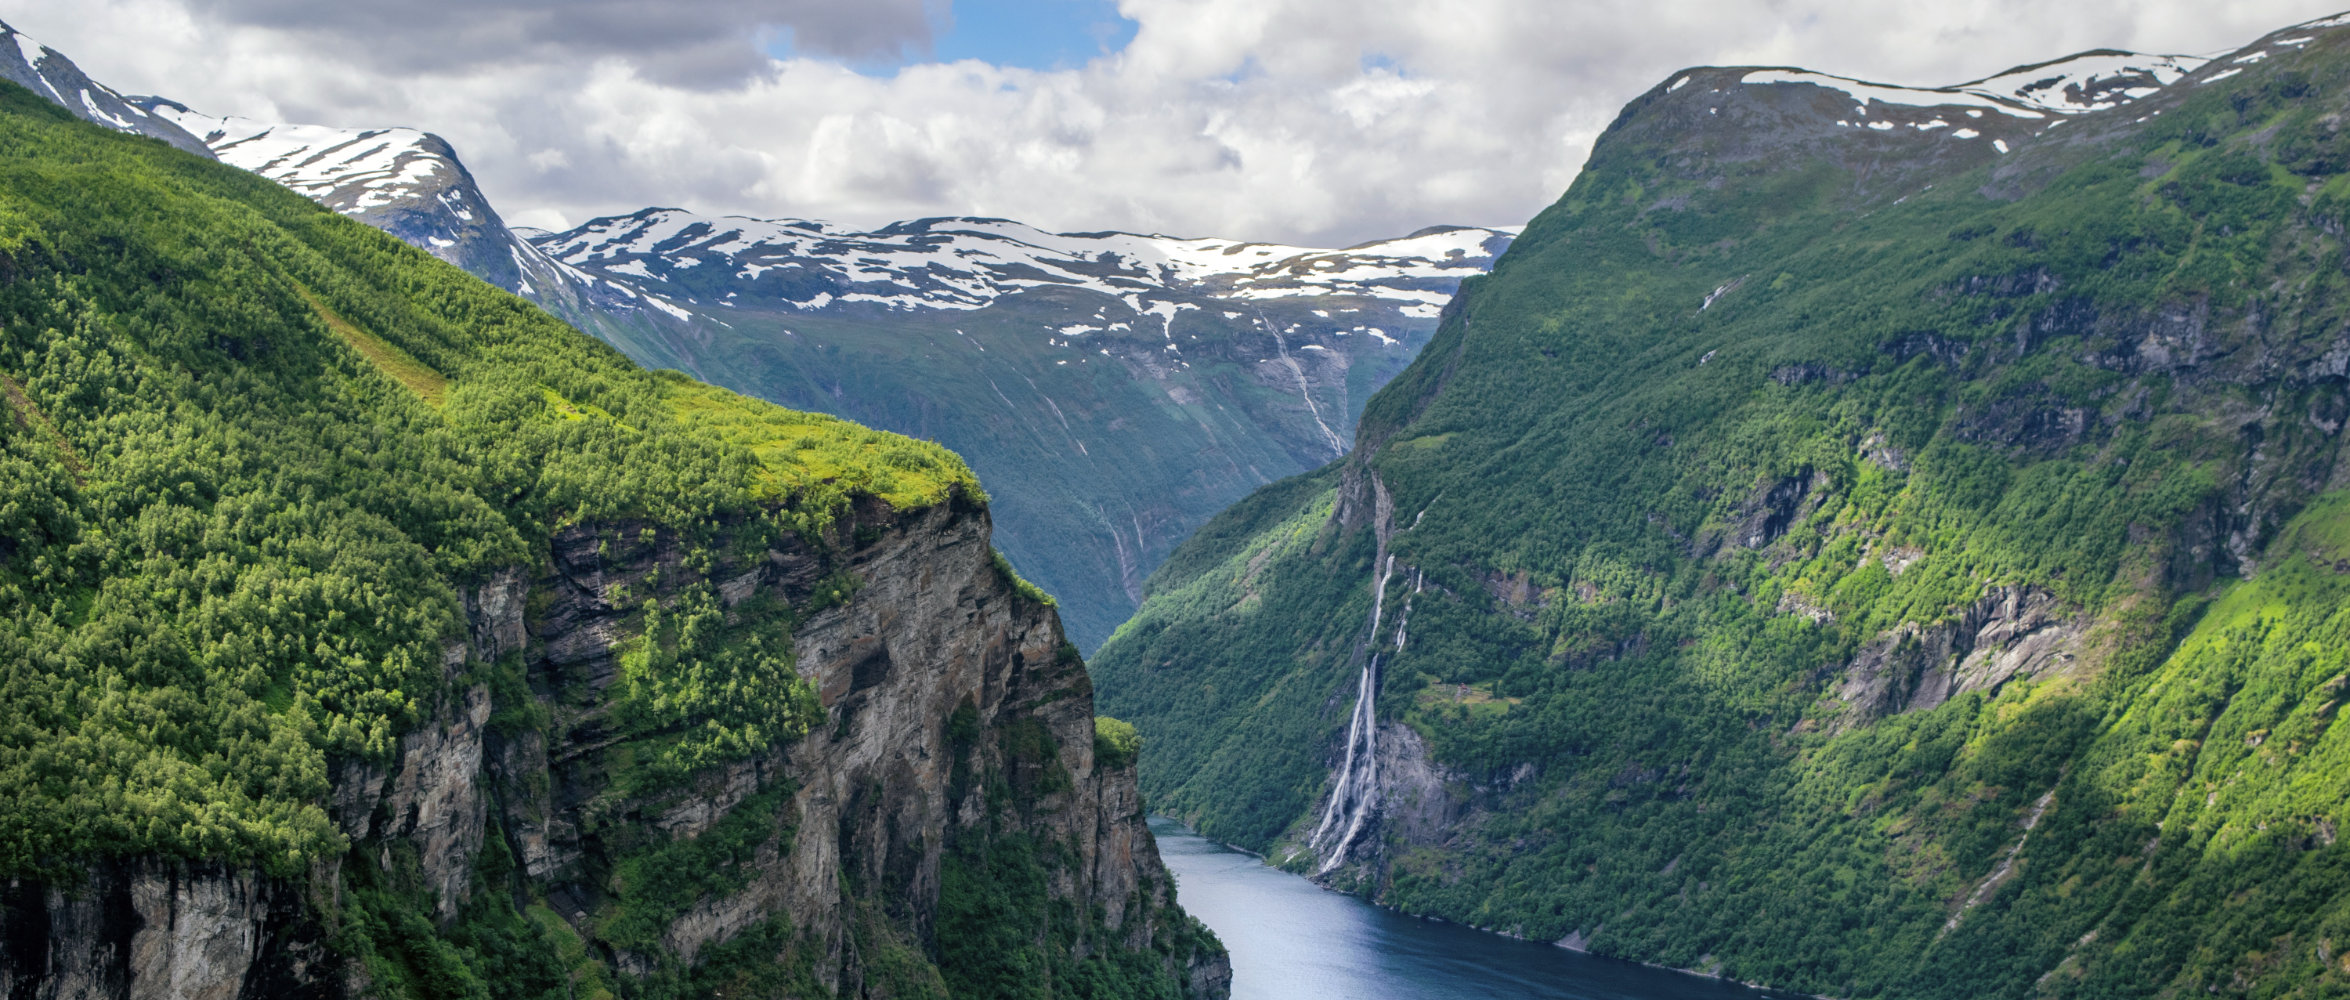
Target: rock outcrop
{"x": 954, "y": 713}
{"x": 2008, "y": 633}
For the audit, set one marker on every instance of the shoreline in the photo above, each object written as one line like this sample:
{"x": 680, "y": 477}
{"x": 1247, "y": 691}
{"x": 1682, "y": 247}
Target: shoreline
{"x": 1561, "y": 944}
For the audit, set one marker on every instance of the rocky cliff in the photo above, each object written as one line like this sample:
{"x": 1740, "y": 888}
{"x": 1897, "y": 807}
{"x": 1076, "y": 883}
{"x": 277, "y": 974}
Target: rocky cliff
{"x": 460, "y": 657}
{"x": 955, "y": 719}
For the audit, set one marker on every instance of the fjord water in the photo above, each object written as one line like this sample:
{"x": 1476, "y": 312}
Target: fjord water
{"x": 1293, "y": 940}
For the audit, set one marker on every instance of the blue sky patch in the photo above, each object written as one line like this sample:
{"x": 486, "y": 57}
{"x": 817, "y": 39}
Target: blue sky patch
{"x": 1031, "y": 34}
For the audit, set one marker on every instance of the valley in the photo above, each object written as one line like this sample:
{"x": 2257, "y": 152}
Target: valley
{"x": 1861, "y": 540}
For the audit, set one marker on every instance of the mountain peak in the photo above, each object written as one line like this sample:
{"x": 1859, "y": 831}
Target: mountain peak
{"x": 48, "y": 73}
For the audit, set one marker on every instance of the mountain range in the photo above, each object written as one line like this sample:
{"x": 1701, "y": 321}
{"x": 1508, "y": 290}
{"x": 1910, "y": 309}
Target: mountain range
{"x": 1869, "y": 540}
{"x": 1866, "y": 540}
{"x": 1116, "y": 390}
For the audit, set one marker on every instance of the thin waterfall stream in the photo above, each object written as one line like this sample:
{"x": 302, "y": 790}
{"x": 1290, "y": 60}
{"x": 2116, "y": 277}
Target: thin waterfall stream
{"x": 1354, "y": 798}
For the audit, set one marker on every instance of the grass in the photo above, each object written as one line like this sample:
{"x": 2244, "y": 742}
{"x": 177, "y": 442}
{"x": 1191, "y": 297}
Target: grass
{"x": 29, "y": 413}
{"x": 799, "y": 451}
{"x": 429, "y": 385}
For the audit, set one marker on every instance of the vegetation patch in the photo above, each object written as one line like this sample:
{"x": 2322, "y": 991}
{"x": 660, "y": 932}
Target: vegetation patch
{"x": 230, "y": 552}
{"x": 427, "y": 384}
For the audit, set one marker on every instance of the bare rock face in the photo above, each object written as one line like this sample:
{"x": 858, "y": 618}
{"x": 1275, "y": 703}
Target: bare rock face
{"x": 161, "y": 931}
{"x": 436, "y": 803}
{"x": 953, "y": 707}
{"x": 2010, "y": 632}
{"x": 1418, "y": 808}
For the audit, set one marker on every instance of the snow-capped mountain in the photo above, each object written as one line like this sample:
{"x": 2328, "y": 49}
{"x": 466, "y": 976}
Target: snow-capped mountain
{"x": 1113, "y": 389}
{"x": 1717, "y": 121}
{"x": 2021, "y": 101}
{"x": 2090, "y": 81}
{"x": 47, "y": 72}
{"x": 967, "y": 263}
{"x": 404, "y": 181}
{"x": 682, "y": 263}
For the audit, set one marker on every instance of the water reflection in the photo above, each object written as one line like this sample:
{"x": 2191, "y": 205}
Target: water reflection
{"x": 1291, "y": 940}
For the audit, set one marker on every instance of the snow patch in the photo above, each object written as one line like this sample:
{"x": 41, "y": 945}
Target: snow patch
{"x": 2087, "y": 82}
{"x": 1863, "y": 93}
{"x": 27, "y": 49}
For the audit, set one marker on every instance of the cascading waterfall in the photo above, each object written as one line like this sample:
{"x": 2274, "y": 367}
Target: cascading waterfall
{"x": 1355, "y": 798}
{"x": 1358, "y": 778}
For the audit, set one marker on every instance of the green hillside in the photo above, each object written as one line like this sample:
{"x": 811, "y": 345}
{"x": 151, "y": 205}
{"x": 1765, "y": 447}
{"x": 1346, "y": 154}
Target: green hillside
{"x": 1860, "y": 563}
{"x": 250, "y": 444}
{"x": 259, "y": 462}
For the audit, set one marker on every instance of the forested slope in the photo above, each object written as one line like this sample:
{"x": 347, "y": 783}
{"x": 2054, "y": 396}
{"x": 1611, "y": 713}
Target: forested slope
{"x": 366, "y": 631}
{"x": 1886, "y": 550}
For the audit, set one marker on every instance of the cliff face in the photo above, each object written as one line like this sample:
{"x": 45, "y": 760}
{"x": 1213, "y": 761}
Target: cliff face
{"x": 956, "y": 719}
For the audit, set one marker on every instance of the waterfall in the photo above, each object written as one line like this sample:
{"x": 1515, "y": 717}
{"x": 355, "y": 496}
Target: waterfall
{"x": 1354, "y": 798}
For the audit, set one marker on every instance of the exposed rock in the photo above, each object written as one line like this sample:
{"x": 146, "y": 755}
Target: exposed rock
{"x": 2008, "y": 633}
{"x": 1876, "y": 451}
{"x": 873, "y": 804}
{"x": 1948, "y": 351}
{"x": 1792, "y": 603}
{"x": 2033, "y": 420}
{"x": 1777, "y": 507}
{"x": 1417, "y": 804}
{"x": 435, "y": 802}
{"x": 1515, "y": 593}
{"x": 164, "y": 931}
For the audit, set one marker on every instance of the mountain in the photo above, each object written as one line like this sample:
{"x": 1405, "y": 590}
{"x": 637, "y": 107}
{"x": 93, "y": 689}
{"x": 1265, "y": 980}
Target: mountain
{"x": 370, "y": 632}
{"x": 403, "y": 181}
{"x": 1051, "y": 361}
{"x": 1868, "y": 540}
{"x": 47, "y": 72}
{"x": 1114, "y": 391}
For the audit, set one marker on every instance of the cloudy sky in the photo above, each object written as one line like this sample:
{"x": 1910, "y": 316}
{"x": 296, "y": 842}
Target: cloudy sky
{"x": 1313, "y": 121}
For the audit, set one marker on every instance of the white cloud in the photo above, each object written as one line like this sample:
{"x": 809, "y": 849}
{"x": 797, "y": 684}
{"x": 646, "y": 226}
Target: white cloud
{"x": 1292, "y": 120}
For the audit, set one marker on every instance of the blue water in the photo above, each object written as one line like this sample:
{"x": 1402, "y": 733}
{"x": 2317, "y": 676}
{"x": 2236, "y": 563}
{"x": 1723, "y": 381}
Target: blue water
{"x": 1293, "y": 940}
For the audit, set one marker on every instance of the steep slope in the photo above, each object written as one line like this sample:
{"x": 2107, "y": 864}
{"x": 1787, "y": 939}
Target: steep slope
{"x": 1049, "y": 360}
{"x": 1115, "y": 390}
{"x": 1869, "y": 540}
{"x": 370, "y": 632}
